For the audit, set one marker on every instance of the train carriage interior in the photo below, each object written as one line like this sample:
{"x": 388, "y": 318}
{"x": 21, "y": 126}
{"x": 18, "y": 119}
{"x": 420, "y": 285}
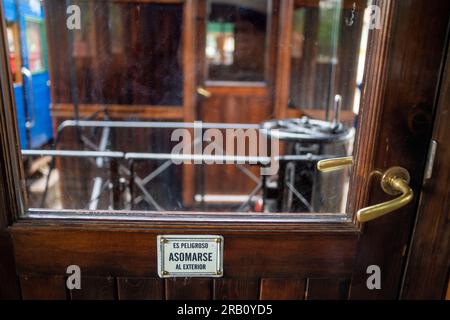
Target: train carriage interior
{"x": 133, "y": 72}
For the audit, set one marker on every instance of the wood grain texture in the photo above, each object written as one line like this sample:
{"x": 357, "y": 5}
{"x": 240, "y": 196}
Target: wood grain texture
{"x": 429, "y": 257}
{"x": 188, "y": 289}
{"x": 283, "y": 289}
{"x": 327, "y": 289}
{"x": 410, "y": 64}
{"x": 119, "y": 111}
{"x": 284, "y": 59}
{"x": 97, "y": 252}
{"x": 43, "y": 287}
{"x": 11, "y": 191}
{"x": 236, "y": 289}
{"x": 140, "y": 289}
{"x": 95, "y": 288}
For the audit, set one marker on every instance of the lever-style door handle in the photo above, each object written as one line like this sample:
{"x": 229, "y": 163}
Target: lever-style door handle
{"x": 204, "y": 92}
{"x": 334, "y": 164}
{"x": 394, "y": 181}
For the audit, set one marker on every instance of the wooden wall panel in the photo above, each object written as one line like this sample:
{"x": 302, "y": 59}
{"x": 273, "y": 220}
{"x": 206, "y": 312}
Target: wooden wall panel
{"x": 95, "y": 288}
{"x": 283, "y": 289}
{"x": 247, "y": 256}
{"x": 327, "y": 289}
{"x": 236, "y": 289}
{"x": 140, "y": 289}
{"x": 43, "y": 287}
{"x": 188, "y": 289}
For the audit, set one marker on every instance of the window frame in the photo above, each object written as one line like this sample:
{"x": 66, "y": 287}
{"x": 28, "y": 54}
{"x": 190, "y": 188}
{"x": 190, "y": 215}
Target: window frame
{"x": 15, "y": 194}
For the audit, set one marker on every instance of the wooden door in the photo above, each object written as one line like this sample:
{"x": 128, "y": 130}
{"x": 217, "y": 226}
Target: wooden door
{"x": 238, "y": 91}
{"x": 266, "y": 256}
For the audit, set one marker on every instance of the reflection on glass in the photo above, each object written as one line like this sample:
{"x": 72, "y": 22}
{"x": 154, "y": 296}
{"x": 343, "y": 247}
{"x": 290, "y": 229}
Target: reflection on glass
{"x": 324, "y": 57}
{"x": 34, "y": 45}
{"x": 14, "y": 54}
{"x": 125, "y": 134}
{"x": 329, "y": 22}
{"x": 220, "y": 43}
{"x": 235, "y": 31}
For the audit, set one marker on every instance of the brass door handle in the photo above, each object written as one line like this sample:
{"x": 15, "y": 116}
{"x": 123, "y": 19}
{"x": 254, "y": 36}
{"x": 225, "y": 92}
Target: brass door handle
{"x": 394, "y": 181}
{"x": 334, "y": 164}
{"x": 203, "y": 92}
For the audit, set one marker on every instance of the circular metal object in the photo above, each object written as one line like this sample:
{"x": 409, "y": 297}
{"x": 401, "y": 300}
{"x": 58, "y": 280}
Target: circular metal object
{"x": 392, "y": 174}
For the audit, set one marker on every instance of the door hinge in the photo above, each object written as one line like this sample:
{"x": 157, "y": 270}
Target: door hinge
{"x": 430, "y": 161}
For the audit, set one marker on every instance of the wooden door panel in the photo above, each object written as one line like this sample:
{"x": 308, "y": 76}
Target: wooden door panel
{"x": 140, "y": 289}
{"x": 105, "y": 288}
{"x": 188, "y": 289}
{"x": 236, "y": 289}
{"x": 42, "y": 287}
{"x": 95, "y": 288}
{"x": 327, "y": 289}
{"x": 283, "y": 289}
{"x": 104, "y": 253}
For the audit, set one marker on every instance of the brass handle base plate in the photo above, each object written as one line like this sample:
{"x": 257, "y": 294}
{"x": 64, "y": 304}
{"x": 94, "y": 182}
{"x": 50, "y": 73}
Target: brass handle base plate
{"x": 390, "y": 175}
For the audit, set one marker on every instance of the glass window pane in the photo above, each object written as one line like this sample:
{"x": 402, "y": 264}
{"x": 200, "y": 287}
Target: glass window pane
{"x": 235, "y": 31}
{"x": 36, "y": 60}
{"x": 325, "y": 56}
{"x": 124, "y": 119}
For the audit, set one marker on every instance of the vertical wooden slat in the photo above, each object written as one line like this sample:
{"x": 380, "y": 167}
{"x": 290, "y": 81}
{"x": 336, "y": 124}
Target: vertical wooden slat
{"x": 140, "y": 289}
{"x": 95, "y": 288}
{"x": 189, "y": 90}
{"x": 235, "y": 289}
{"x": 327, "y": 289}
{"x": 282, "y": 289}
{"x": 284, "y": 59}
{"x": 43, "y": 287}
{"x": 188, "y": 289}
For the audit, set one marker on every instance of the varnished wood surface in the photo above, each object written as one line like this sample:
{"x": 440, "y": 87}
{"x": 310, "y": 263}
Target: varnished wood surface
{"x": 429, "y": 257}
{"x": 143, "y": 112}
{"x": 398, "y": 133}
{"x": 107, "y": 253}
{"x": 95, "y": 288}
{"x": 110, "y": 288}
{"x": 283, "y": 289}
{"x": 10, "y": 173}
{"x": 140, "y": 288}
{"x": 236, "y": 289}
{"x": 327, "y": 289}
{"x": 43, "y": 287}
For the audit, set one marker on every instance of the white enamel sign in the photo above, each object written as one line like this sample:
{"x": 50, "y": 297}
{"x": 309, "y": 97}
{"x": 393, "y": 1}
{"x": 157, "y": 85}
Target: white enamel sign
{"x": 190, "y": 256}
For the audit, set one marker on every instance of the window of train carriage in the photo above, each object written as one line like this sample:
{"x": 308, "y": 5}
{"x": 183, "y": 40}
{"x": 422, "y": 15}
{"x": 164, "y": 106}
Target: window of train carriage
{"x": 35, "y": 45}
{"x": 326, "y": 52}
{"x": 130, "y": 56}
{"x": 127, "y": 52}
{"x": 14, "y": 51}
{"x": 235, "y": 31}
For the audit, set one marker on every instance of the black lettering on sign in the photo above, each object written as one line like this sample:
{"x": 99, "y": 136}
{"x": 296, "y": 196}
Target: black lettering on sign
{"x": 190, "y": 256}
